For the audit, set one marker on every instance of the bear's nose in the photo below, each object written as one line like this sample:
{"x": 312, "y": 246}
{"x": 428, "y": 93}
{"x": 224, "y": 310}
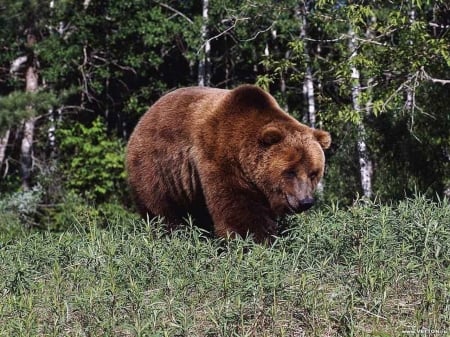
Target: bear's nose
{"x": 306, "y": 203}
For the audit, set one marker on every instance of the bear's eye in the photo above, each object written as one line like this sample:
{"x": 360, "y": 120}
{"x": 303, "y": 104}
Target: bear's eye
{"x": 313, "y": 175}
{"x": 290, "y": 174}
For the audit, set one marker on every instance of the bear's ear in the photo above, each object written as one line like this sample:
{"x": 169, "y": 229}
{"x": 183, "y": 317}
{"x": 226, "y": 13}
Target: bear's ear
{"x": 323, "y": 138}
{"x": 271, "y": 135}
{"x": 250, "y": 96}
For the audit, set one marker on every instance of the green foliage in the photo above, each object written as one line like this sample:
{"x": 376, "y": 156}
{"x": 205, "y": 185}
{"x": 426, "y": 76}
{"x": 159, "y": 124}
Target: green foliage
{"x": 18, "y": 106}
{"x": 369, "y": 270}
{"x": 73, "y": 212}
{"x": 92, "y": 161}
{"x": 23, "y": 203}
{"x": 84, "y": 69}
{"x": 394, "y": 52}
{"x": 18, "y": 213}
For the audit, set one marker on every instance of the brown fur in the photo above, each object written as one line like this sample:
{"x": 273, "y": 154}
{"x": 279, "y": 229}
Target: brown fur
{"x": 231, "y": 158}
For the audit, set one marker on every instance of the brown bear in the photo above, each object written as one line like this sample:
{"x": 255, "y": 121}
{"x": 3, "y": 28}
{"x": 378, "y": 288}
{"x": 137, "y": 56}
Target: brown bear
{"x": 233, "y": 159}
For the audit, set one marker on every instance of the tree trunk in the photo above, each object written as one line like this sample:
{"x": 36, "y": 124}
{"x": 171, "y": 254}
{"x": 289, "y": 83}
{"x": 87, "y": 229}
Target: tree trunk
{"x": 26, "y": 158}
{"x": 3, "y": 145}
{"x": 308, "y": 84}
{"x": 51, "y": 131}
{"x": 409, "y": 103}
{"x": 308, "y": 89}
{"x": 204, "y": 63}
{"x": 365, "y": 164}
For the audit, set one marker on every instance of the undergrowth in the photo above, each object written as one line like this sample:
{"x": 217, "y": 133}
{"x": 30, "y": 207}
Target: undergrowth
{"x": 369, "y": 270}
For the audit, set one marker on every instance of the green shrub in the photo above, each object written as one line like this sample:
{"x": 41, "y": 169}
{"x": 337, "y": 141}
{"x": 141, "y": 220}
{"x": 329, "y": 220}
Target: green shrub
{"x": 92, "y": 161}
{"x": 73, "y": 212}
{"x": 18, "y": 212}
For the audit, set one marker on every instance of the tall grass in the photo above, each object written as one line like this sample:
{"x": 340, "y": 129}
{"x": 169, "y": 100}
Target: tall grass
{"x": 370, "y": 270}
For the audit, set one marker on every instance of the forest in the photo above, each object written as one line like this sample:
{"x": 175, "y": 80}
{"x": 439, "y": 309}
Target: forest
{"x": 75, "y": 76}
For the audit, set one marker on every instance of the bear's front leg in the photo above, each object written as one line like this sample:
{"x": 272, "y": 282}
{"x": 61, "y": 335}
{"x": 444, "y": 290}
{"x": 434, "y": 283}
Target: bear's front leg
{"x": 236, "y": 210}
{"x": 244, "y": 220}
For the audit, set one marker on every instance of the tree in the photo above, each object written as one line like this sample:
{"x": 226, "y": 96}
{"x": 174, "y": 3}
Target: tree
{"x": 365, "y": 163}
{"x": 3, "y": 144}
{"x": 308, "y": 84}
{"x": 31, "y": 86}
{"x": 204, "y": 72}
{"x": 79, "y": 50}
{"x": 26, "y": 27}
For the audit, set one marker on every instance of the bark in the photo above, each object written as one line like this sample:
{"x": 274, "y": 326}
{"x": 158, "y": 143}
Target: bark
{"x": 409, "y": 103}
{"x": 3, "y": 145}
{"x": 365, "y": 163}
{"x": 26, "y": 158}
{"x": 51, "y": 131}
{"x": 309, "y": 94}
{"x": 204, "y": 63}
{"x": 308, "y": 84}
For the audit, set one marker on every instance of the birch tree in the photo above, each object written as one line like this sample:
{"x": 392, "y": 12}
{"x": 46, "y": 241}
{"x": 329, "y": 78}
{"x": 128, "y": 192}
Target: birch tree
{"x": 365, "y": 163}
{"x": 3, "y": 144}
{"x": 308, "y": 84}
{"x": 204, "y": 64}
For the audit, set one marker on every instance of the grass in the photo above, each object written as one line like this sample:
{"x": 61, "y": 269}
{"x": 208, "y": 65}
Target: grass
{"x": 369, "y": 270}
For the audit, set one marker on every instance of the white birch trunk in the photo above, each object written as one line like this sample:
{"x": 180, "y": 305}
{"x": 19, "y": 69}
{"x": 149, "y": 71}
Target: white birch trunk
{"x": 26, "y": 158}
{"x": 3, "y": 145}
{"x": 51, "y": 132}
{"x": 308, "y": 84}
{"x": 365, "y": 164}
{"x": 204, "y": 61}
{"x": 409, "y": 104}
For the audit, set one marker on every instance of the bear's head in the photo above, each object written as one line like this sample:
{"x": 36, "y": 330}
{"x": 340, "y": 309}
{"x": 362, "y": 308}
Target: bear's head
{"x": 290, "y": 164}
{"x": 282, "y": 158}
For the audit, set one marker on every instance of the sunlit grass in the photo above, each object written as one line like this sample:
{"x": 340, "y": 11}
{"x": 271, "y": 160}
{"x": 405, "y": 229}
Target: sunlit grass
{"x": 369, "y": 270}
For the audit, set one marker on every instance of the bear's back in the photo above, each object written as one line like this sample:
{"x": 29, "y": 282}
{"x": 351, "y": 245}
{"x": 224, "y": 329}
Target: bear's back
{"x": 160, "y": 150}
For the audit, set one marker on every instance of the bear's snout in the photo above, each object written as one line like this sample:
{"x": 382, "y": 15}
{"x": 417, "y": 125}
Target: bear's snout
{"x": 299, "y": 205}
{"x": 306, "y": 204}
